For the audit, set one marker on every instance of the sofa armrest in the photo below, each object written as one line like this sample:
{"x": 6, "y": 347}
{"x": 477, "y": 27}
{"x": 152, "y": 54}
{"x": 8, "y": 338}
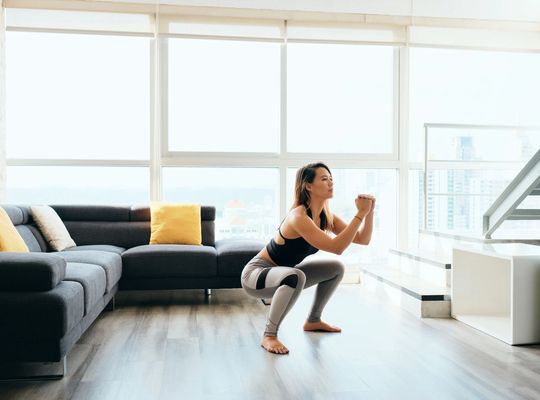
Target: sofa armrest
{"x": 30, "y": 271}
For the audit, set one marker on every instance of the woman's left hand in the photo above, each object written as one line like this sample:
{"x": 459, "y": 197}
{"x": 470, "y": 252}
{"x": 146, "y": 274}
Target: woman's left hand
{"x": 373, "y": 200}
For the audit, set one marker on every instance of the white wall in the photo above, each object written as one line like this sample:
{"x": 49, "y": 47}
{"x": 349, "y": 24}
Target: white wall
{"x": 515, "y": 10}
{"x": 2, "y": 108}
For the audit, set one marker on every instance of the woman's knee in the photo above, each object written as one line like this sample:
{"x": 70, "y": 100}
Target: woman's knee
{"x": 338, "y": 267}
{"x": 295, "y": 279}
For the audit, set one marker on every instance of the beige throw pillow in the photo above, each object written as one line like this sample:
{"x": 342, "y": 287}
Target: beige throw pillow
{"x": 52, "y": 227}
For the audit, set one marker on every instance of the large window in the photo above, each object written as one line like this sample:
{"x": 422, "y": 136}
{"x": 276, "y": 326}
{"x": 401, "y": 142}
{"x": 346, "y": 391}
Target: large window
{"x": 224, "y": 96}
{"x": 341, "y": 94}
{"x": 72, "y": 96}
{"x": 124, "y": 108}
{"x": 104, "y": 110}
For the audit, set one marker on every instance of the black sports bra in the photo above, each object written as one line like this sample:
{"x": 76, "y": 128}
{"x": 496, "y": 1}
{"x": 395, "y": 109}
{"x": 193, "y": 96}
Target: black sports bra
{"x": 293, "y": 251}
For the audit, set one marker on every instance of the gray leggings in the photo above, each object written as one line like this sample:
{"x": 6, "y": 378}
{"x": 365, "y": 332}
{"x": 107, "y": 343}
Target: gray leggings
{"x": 263, "y": 280}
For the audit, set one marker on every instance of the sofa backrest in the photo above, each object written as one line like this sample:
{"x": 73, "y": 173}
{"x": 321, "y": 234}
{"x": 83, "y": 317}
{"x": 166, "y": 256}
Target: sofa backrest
{"x": 124, "y": 226}
{"x": 25, "y": 225}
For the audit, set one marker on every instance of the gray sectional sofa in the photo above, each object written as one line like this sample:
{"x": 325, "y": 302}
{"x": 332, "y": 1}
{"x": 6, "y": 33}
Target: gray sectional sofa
{"x": 48, "y": 299}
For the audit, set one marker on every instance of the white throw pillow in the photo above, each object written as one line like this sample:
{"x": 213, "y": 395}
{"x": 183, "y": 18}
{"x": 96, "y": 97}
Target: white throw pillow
{"x": 52, "y": 227}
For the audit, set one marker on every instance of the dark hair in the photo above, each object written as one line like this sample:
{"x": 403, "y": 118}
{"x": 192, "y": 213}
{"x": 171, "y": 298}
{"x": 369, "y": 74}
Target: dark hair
{"x": 305, "y": 175}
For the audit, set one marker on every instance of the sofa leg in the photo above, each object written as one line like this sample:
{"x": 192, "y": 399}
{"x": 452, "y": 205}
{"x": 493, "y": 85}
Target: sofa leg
{"x": 111, "y": 306}
{"x": 207, "y": 292}
{"x": 34, "y": 371}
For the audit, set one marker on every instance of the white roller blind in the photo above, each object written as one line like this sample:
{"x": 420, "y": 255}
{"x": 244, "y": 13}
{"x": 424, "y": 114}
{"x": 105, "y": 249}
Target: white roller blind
{"x": 21, "y": 18}
{"x": 224, "y": 27}
{"x": 346, "y": 32}
{"x": 474, "y": 38}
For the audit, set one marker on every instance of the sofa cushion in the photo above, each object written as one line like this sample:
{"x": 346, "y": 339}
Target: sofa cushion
{"x": 10, "y": 239}
{"x": 99, "y": 247}
{"x": 110, "y": 262}
{"x": 234, "y": 254}
{"x": 93, "y": 280}
{"x": 169, "y": 260}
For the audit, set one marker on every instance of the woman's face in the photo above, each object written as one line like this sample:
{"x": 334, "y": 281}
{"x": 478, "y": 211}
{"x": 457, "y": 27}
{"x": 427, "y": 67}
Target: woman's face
{"x": 323, "y": 185}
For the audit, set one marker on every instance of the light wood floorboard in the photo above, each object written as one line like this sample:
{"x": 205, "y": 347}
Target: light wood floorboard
{"x": 181, "y": 345}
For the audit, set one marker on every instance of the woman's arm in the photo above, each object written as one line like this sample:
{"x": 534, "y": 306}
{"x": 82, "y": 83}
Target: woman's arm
{"x": 366, "y": 230}
{"x": 305, "y": 227}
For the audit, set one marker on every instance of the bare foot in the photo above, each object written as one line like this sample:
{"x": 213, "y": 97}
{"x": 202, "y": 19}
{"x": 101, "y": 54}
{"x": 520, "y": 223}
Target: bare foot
{"x": 320, "y": 327}
{"x": 273, "y": 345}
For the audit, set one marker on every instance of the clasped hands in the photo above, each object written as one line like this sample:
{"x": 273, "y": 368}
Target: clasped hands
{"x": 365, "y": 204}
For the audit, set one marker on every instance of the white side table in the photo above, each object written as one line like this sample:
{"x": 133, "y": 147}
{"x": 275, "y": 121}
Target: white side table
{"x": 496, "y": 289}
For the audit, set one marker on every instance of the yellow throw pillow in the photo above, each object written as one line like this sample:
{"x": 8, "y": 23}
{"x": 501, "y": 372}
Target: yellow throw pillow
{"x": 172, "y": 223}
{"x": 10, "y": 239}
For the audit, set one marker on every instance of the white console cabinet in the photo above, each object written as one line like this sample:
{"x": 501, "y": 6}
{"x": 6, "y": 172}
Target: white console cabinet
{"x": 496, "y": 289}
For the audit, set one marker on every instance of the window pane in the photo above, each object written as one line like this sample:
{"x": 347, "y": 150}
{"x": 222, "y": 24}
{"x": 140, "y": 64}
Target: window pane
{"x": 77, "y": 185}
{"x": 246, "y": 199}
{"x": 342, "y": 95}
{"x": 469, "y": 144}
{"x": 224, "y": 96}
{"x": 471, "y": 87}
{"x": 77, "y": 96}
{"x": 458, "y": 198}
{"x": 348, "y": 183}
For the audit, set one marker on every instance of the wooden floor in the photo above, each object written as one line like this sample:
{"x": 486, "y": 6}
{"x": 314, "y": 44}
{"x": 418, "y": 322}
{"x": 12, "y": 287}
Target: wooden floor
{"x": 177, "y": 345}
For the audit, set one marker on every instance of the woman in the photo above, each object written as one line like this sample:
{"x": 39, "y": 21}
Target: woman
{"x": 278, "y": 272}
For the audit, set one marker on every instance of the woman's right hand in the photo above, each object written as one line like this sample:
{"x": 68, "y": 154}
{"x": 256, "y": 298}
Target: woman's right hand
{"x": 363, "y": 205}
